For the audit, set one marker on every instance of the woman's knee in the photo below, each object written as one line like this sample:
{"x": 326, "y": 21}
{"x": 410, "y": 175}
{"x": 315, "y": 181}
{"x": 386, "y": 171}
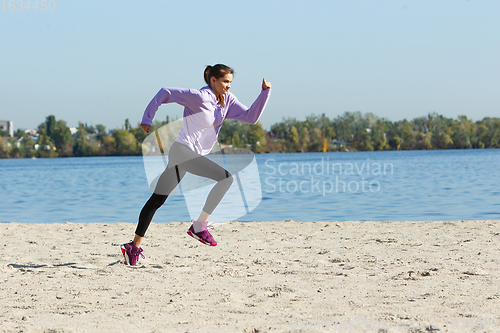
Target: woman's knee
{"x": 228, "y": 180}
{"x": 157, "y": 200}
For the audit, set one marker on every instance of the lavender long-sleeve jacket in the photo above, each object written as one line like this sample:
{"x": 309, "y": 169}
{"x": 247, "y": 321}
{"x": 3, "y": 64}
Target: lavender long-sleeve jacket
{"x": 204, "y": 115}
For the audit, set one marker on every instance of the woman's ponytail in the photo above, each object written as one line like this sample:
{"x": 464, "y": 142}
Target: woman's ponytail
{"x": 206, "y": 74}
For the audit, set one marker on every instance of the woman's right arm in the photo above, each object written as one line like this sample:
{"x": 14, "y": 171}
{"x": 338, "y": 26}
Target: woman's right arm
{"x": 184, "y": 97}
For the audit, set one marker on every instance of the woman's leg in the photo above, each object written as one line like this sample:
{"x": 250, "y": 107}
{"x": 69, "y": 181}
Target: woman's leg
{"x": 147, "y": 212}
{"x": 167, "y": 182}
{"x": 201, "y": 166}
{"x": 201, "y": 221}
{"x": 204, "y": 216}
{"x": 182, "y": 159}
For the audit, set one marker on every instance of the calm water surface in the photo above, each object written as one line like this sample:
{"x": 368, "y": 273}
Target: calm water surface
{"x": 393, "y": 185}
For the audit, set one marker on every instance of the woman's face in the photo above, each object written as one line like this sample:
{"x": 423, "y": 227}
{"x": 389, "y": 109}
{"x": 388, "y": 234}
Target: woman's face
{"x": 221, "y": 85}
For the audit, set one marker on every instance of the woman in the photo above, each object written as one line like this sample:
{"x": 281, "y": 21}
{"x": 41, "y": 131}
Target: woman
{"x": 204, "y": 112}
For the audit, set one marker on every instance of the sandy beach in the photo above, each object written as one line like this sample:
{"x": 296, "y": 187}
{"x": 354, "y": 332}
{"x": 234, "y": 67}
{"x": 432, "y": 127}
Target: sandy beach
{"x": 262, "y": 277}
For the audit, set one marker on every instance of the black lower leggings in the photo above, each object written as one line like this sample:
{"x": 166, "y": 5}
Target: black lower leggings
{"x": 182, "y": 159}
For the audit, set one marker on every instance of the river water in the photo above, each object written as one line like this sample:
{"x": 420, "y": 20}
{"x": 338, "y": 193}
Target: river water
{"x": 389, "y": 185}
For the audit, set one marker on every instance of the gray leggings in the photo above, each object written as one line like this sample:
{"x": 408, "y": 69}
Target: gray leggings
{"x": 182, "y": 159}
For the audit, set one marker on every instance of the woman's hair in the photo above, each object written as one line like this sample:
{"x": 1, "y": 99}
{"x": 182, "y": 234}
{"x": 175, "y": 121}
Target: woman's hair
{"x": 217, "y": 71}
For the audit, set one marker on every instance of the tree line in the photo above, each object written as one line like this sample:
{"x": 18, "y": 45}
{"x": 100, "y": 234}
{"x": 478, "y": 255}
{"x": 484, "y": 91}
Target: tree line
{"x": 351, "y": 131}
{"x": 355, "y": 131}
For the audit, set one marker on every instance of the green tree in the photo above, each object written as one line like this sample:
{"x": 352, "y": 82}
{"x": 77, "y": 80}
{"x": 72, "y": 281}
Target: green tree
{"x": 107, "y": 147}
{"x": 395, "y": 143}
{"x": 82, "y": 146}
{"x": 139, "y": 133}
{"x": 101, "y": 132}
{"x": 50, "y": 125}
{"x": 407, "y": 135}
{"x": 342, "y": 126}
{"x": 294, "y": 135}
{"x": 125, "y": 142}
{"x": 62, "y": 138}
{"x": 90, "y": 129}
{"x": 482, "y": 136}
{"x": 232, "y": 127}
{"x": 462, "y": 132}
{"x": 280, "y": 130}
{"x": 56, "y": 134}
{"x": 441, "y": 130}
{"x": 257, "y": 137}
{"x": 236, "y": 141}
{"x": 127, "y": 125}
{"x": 378, "y": 135}
{"x": 4, "y": 148}
{"x": 423, "y": 141}
{"x": 304, "y": 139}
{"x": 45, "y": 144}
{"x": 487, "y": 131}
{"x": 366, "y": 141}
{"x": 315, "y": 137}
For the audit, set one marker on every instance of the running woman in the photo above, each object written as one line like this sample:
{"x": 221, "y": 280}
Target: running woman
{"x": 204, "y": 113}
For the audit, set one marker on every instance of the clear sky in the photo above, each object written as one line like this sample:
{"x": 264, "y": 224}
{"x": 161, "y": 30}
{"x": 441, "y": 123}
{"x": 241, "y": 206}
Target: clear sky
{"x": 100, "y": 62}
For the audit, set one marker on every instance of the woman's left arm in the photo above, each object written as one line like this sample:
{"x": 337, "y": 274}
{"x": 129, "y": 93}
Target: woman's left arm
{"x": 251, "y": 115}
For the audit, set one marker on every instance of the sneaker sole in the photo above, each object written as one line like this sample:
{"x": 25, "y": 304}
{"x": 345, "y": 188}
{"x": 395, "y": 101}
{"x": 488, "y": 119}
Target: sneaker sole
{"x": 124, "y": 252}
{"x": 199, "y": 239}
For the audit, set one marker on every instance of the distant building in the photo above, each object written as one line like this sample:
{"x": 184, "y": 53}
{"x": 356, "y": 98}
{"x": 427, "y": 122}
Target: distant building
{"x": 339, "y": 143}
{"x": 8, "y": 126}
{"x": 31, "y": 132}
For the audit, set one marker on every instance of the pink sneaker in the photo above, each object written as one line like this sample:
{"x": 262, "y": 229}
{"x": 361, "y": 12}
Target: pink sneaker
{"x": 203, "y": 236}
{"x": 131, "y": 253}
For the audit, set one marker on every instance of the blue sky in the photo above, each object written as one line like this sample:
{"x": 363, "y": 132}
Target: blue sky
{"x": 101, "y": 62}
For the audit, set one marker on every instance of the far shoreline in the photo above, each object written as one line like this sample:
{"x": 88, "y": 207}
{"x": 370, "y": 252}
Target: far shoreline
{"x": 267, "y": 153}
